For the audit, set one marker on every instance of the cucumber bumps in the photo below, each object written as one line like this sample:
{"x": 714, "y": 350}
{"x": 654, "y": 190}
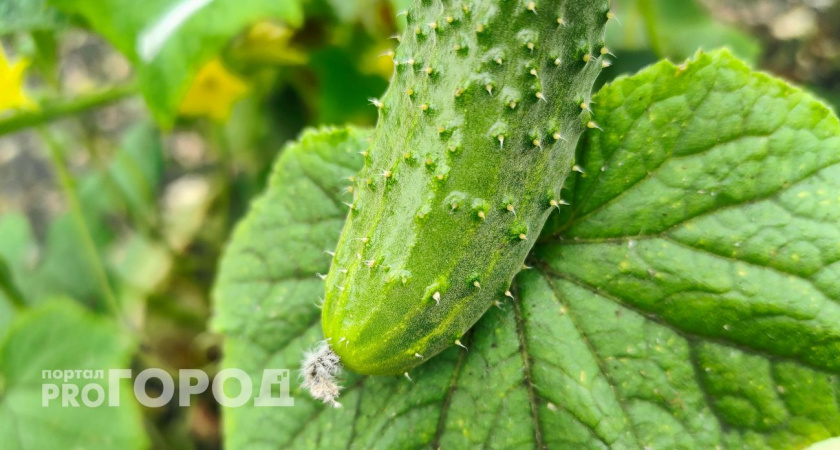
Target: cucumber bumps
{"x": 476, "y": 135}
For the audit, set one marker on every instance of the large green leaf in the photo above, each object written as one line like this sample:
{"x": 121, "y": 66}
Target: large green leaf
{"x": 687, "y": 299}
{"x": 61, "y": 336}
{"x": 708, "y": 213}
{"x": 169, "y": 41}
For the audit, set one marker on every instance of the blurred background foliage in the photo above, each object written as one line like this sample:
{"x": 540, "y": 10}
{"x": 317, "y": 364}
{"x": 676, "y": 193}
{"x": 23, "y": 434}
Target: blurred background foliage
{"x": 134, "y": 134}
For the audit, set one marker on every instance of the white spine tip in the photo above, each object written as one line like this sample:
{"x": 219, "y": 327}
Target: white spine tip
{"x": 459, "y": 344}
{"x": 417, "y": 355}
{"x": 509, "y": 294}
{"x": 409, "y": 378}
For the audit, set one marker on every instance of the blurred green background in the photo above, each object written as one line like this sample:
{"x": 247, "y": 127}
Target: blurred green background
{"x": 125, "y": 160}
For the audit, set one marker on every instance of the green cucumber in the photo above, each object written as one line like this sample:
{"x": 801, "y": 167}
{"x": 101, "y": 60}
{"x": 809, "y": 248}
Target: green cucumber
{"x": 475, "y": 137}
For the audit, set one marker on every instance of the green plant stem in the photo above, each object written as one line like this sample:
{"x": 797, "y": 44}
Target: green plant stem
{"x": 64, "y": 108}
{"x": 68, "y": 187}
{"x": 646, "y": 8}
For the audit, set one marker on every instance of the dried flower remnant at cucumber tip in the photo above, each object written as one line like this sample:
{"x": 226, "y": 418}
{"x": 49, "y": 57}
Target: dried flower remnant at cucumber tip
{"x": 320, "y": 369}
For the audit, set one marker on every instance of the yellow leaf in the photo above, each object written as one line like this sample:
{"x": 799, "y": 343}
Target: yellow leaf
{"x": 213, "y": 92}
{"x": 12, "y": 95}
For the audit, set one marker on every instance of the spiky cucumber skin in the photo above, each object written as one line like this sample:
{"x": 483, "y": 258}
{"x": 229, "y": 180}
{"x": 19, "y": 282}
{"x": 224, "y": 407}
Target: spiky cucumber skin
{"x": 475, "y": 137}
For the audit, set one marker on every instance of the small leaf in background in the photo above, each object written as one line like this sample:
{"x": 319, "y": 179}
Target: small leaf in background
{"x": 64, "y": 268}
{"x": 375, "y": 16}
{"x": 268, "y": 42}
{"x": 17, "y": 245}
{"x": 213, "y": 92}
{"x": 344, "y": 90}
{"x": 12, "y": 91}
{"x": 27, "y": 15}
{"x": 126, "y": 185}
{"x": 11, "y": 297}
{"x": 59, "y": 336}
{"x": 691, "y": 300}
{"x": 168, "y": 43}
{"x": 137, "y": 171}
{"x": 675, "y": 29}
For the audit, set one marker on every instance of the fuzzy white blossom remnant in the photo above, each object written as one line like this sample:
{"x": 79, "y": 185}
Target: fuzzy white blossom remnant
{"x": 321, "y": 368}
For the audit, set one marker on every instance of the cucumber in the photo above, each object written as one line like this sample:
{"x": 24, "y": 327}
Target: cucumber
{"x": 476, "y": 135}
